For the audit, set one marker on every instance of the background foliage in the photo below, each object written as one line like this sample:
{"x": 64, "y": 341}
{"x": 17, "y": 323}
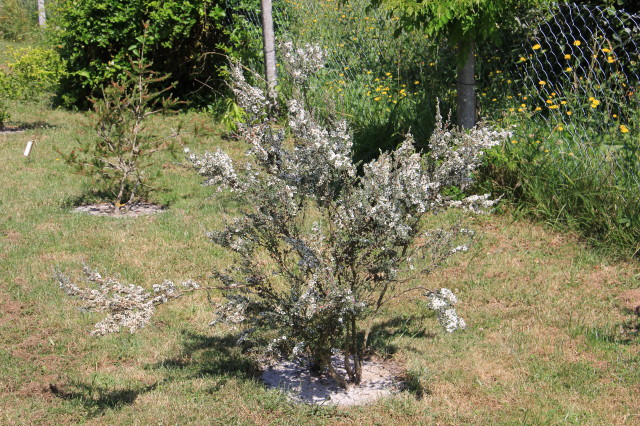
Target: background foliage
{"x": 18, "y": 19}
{"x": 96, "y": 37}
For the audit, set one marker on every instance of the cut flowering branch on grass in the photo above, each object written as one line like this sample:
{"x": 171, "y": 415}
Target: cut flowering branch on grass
{"x": 128, "y": 305}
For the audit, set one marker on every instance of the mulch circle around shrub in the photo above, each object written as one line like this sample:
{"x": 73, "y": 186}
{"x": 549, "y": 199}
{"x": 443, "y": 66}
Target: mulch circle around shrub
{"x": 108, "y": 209}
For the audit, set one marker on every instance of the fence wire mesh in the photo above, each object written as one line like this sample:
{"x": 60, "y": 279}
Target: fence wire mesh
{"x": 580, "y": 69}
{"x": 573, "y": 85}
{"x": 567, "y": 81}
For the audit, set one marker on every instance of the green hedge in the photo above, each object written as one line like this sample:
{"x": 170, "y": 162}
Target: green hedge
{"x": 96, "y": 38}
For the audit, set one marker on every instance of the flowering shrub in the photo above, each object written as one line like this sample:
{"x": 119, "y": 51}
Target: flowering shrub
{"x": 322, "y": 248}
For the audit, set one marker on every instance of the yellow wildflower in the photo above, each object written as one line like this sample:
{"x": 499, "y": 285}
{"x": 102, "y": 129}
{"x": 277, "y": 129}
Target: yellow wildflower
{"x": 542, "y": 82}
{"x": 624, "y": 129}
{"x": 577, "y": 43}
{"x": 567, "y": 56}
{"x": 536, "y": 47}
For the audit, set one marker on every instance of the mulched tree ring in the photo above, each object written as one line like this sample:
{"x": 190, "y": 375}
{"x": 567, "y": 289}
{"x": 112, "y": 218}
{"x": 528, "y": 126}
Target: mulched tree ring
{"x": 108, "y": 209}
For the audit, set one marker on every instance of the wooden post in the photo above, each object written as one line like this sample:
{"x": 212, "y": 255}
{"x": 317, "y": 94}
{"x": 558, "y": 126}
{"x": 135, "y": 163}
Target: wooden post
{"x": 268, "y": 37}
{"x": 42, "y": 17}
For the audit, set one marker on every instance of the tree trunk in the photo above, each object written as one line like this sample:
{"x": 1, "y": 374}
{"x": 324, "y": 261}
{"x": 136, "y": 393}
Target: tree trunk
{"x": 269, "y": 49}
{"x": 466, "y": 87}
{"x": 42, "y": 17}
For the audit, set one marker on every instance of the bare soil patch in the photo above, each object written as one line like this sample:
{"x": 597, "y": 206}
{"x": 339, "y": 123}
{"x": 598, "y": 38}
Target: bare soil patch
{"x": 301, "y": 385}
{"x": 108, "y": 209}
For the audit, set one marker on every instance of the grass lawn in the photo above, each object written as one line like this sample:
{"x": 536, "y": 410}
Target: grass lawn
{"x": 552, "y": 337}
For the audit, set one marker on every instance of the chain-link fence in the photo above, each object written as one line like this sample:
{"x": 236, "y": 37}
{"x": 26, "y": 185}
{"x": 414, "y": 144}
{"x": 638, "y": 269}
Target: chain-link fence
{"x": 381, "y": 83}
{"x": 573, "y": 86}
{"x": 580, "y": 71}
{"x": 566, "y": 82}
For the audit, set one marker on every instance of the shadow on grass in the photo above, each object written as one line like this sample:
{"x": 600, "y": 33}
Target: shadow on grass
{"x": 96, "y": 399}
{"x": 21, "y": 127}
{"x": 383, "y": 336}
{"x": 200, "y": 356}
{"x": 209, "y": 356}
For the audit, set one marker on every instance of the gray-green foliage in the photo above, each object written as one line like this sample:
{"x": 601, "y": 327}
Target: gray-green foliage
{"x": 321, "y": 248}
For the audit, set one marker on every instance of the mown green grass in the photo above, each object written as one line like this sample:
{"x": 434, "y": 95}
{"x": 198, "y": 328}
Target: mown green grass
{"x": 549, "y": 337}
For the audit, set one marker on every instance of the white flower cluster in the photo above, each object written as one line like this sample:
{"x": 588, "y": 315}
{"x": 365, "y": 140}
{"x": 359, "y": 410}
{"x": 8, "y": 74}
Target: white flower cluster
{"x": 302, "y": 62}
{"x": 217, "y": 165}
{"x": 458, "y": 154}
{"x": 233, "y": 311}
{"x": 127, "y": 305}
{"x": 252, "y": 100}
{"x": 369, "y": 221}
{"x": 442, "y": 301}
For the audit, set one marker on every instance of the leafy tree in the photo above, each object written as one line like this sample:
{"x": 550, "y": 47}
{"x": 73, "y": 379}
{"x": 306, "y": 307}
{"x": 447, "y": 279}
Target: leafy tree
{"x": 96, "y": 38}
{"x": 463, "y": 23}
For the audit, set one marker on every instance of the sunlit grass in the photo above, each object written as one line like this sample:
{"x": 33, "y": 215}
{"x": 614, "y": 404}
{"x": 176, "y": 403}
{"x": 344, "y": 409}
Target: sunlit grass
{"x": 548, "y": 338}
